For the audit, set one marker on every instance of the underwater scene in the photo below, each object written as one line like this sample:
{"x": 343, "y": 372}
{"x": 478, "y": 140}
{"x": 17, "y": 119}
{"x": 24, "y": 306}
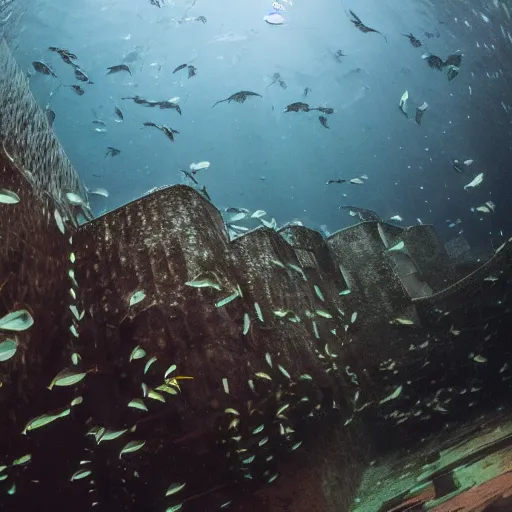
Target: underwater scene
{"x": 256, "y": 256}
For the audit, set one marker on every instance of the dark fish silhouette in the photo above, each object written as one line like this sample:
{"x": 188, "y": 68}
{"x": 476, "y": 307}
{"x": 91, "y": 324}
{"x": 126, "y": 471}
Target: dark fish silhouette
{"x": 43, "y": 68}
{"x": 118, "y": 68}
{"x": 419, "y": 112}
{"x": 169, "y": 132}
{"x": 324, "y": 110}
{"x": 205, "y": 193}
{"x": 202, "y": 19}
{"x": 81, "y": 75}
{"x": 78, "y": 90}
{"x": 66, "y": 55}
{"x": 298, "y": 106}
{"x": 50, "y": 115}
{"x": 112, "y": 151}
{"x": 435, "y": 62}
{"x": 414, "y": 40}
{"x": 336, "y": 181}
{"x": 119, "y": 114}
{"x": 453, "y": 60}
{"x": 151, "y": 103}
{"x": 189, "y": 175}
{"x": 192, "y": 71}
{"x": 238, "y": 97}
{"x": 363, "y": 213}
{"x": 276, "y": 77}
{"x": 452, "y": 72}
{"x": 306, "y": 91}
{"x": 156, "y": 3}
{"x": 323, "y": 121}
{"x": 338, "y": 55}
{"x": 180, "y": 67}
{"x": 361, "y": 26}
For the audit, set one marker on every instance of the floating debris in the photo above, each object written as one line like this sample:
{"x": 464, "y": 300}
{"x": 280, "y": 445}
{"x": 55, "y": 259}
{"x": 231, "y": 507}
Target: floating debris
{"x": 131, "y": 447}
{"x": 204, "y": 283}
{"x": 137, "y": 297}
{"x": 8, "y": 349}
{"x": 194, "y": 167}
{"x": 397, "y": 218}
{"x": 392, "y": 396}
{"x": 45, "y": 419}
{"x": 238, "y": 97}
{"x": 102, "y": 127}
{"x": 67, "y": 377}
{"x": 99, "y": 192}
{"x": 434, "y": 61}
{"x": 137, "y": 353}
{"x": 116, "y": 69}
{"x": 357, "y": 181}
{"x": 50, "y": 115}
{"x": 175, "y": 488}
{"x": 258, "y": 214}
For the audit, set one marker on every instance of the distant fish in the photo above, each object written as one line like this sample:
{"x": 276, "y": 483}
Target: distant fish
{"x": 119, "y": 114}
{"x": 202, "y": 19}
{"x": 43, "y": 68}
{"x": 403, "y": 102}
{"x": 338, "y": 55}
{"x": 151, "y": 103}
{"x": 363, "y": 213}
{"x": 190, "y": 176}
{"x": 102, "y": 127}
{"x": 66, "y": 55}
{"x": 420, "y": 111}
{"x": 298, "y": 106}
{"x": 192, "y": 71}
{"x": 306, "y": 91}
{"x": 99, "y": 192}
{"x": 81, "y": 75}
{"x": 336, "y": 181}
{"x": 414, "y": 40}
{"x": 194, "y": 167}
{"x": 453, "y": 60}
{"x": 169, "y": 132}
{"x": 434, "y": 61}
{"x": 238, "y": 97}
{"x": 357, "y": 181}
{"x": 112, "y": 151}
{"x": 233, "y": 209}
{"x": 361, "y": 26}
{"x": 180, "y": 67}
{"x": 324, "y": 110}
{"x": 323, "y": 121}
{"x": 50, "y": 115}
{"x": 118, "y": 68}
{"x": 78, "y": 90}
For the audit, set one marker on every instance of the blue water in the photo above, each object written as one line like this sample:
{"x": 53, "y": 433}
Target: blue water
{"x": 262, "y": 158}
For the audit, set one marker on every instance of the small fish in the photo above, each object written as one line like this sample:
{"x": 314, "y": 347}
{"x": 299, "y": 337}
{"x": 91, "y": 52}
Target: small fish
{"x": 192, "y": 71}
{"x": 338, "y": 55}
{"x": 112, "y": 151}
{"x": 363, "y": 213}
{"x": 202, "y": 19}
{"x": 81, "y": 75}
{"x": 43, "y": 68}
{"x": 199, "y": 166}
{"x": 78, "y": 90}
{"x": 298, "y": 106}
{"x": 169, "y": 132}
{"x": 434, "y": 61}
{"x": 238, "y": 97}
{"x": 336, "y": 181}
{"x": 205, "y": 193}
{"x": 190, "y": 176}
{"x": 475, "y": 182}
{"x": 414, "y": 41}
{"x": 180, "y": 67}
{"x": 323, "y": 121}
{"x": 50, "y": 115}
{"x": 119, "y": 114}
{"x": 361, "y": 26}
{"x": 119, "y": 67}
{"x": 420, "y": 111}
{"x": 66, "y": 55}
{"x": 453, "y": 60}
{"x": 307, "y": 90}
{"x": 324, "y": 110}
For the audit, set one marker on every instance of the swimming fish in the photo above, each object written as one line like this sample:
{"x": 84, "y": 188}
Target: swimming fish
{"x": 192, "y": 71}
{"x": 306, "y": 91}
{"x": 434, "y": 61}
{"x": 112, "y": 151}
{"x": 78, "y": 90}
{"x": 119, "y": 114}
{"x": 323, "y": 121}
{"x": 180, "y": 67}
{"x": 363, "y": 213}
{"x": 238, "y": 97}
{"x": 169, "y": 132}
{"x": 338, "y": 55}
{"x": 360, "y": 25}
{"x": 414, "y": 40}
{"x": 116, "y": 69}
{"x": 420, "y": 111}
{"x": 81, "y": 75}
{"x": 66, "y": 55}
{"x": 298, "y": 106}
{"x": 43, "y": 68}
{"x": 102, "y": 126}
{"x": 325, "y": 110}
{"x": 336, "y": 181}
{"x": 151, "y": 103}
